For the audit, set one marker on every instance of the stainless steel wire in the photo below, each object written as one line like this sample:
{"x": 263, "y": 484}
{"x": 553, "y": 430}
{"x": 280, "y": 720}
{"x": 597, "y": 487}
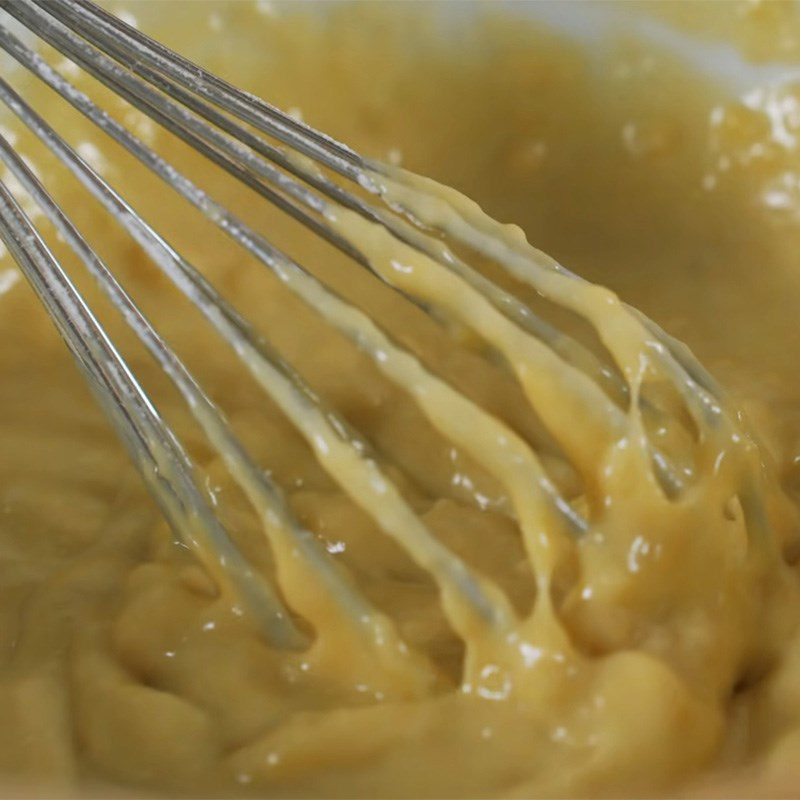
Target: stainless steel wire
{"x": 283, "y": 384}
{"x": 291, "y": 169}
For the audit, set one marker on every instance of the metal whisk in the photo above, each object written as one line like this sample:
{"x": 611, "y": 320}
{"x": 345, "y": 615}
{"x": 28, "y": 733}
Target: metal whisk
{"x": 280, "y": 159}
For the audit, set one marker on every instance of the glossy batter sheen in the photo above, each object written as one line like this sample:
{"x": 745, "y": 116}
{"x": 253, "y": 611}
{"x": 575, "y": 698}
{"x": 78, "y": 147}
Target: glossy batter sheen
{"x": 659, "y": 653}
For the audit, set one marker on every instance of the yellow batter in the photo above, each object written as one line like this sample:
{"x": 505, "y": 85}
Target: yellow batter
{"x": 659, "y": 653}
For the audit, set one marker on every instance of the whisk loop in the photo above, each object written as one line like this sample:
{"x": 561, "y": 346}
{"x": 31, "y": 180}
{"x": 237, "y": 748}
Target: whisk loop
{"x": 593, "y": 397}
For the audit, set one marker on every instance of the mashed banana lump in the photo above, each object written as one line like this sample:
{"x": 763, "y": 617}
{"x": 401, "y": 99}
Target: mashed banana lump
{"x": 666, "y": 657}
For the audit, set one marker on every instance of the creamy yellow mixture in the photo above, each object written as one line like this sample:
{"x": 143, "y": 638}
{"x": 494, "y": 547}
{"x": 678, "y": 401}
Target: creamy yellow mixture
{"x": 659, "y": 652}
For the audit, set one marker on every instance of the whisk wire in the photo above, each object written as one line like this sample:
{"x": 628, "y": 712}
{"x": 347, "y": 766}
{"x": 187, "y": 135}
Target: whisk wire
{"x": 286, "y": 388}
{"x": 225, "y": 124}
{"x": 95, "y": 23}
{"x": 152, "y": 446}
{"x": 264, "y": 493}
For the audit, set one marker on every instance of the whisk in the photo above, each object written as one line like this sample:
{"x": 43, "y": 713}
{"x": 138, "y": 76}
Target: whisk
{"x": 626, "y": 399}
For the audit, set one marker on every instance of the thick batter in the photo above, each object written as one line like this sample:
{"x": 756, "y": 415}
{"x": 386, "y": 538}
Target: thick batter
{"x": 659, "y": 654}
